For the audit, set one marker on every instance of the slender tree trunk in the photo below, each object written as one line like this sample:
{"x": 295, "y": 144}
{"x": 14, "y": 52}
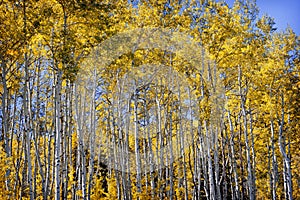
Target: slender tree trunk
{"x": 286, "y": 159}
{"x": 170, "y": 134}
{"x": 274, "y": 171}
{"x": 249, "y": 166}
{"x": 58, "y": 134}
{"x": 27, "y": 108}
{"x": 126, "y": 146}
{"x": 5, "y": 104}
{"x": 92, "y": 135}
{"x": 136, "y": 142}
{"x": 234, "y": 167}
{"x": 182, "y": 147}
{"x": 212, "y": 194}
{"x": 216, "y": 162}
{"x": 253, "y": 153}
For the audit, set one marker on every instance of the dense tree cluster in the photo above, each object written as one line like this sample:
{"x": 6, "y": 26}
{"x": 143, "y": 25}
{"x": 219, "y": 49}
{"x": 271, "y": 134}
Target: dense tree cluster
{"x": 152, "y": 123}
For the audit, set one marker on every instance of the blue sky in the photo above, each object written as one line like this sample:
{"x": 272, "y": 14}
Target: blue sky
{"x": 284, "y": 12}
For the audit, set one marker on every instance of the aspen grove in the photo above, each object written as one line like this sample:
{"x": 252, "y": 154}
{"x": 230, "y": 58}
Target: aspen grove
{"x": 214, "y": 115}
